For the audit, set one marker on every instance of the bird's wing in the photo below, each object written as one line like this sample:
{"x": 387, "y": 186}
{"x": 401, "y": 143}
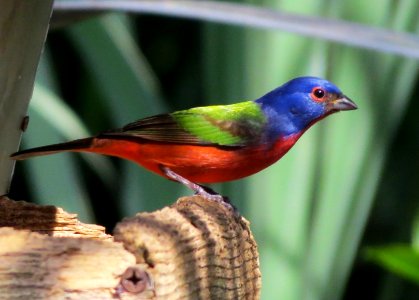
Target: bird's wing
{"x": 225, "y": 125}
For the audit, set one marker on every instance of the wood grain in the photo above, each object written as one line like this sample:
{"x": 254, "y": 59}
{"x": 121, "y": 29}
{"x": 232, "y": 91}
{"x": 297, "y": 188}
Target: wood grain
{"x": 194, "y": 249}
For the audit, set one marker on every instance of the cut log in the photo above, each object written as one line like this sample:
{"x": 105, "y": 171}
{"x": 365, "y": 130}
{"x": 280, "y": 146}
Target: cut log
{"x": 194, "y": 249}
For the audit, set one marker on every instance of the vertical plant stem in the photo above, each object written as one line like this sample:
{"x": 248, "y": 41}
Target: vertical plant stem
{"x": 23, "y": 28}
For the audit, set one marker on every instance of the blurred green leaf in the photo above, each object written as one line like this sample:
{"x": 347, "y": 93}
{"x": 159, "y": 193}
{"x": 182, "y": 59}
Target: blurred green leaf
{"x": 399, "y": 259}
{"x": 257, "y": 17}
{"x": 68, "y": 125}
{"x": 130, "y": 91}
{"x": 55, "y": 180}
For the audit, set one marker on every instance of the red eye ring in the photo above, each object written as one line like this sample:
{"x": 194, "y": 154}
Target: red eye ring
{"x": 318, "y": 94}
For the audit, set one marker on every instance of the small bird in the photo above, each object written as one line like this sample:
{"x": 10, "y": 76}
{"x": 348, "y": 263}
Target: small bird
{"x": 216, "y": 143}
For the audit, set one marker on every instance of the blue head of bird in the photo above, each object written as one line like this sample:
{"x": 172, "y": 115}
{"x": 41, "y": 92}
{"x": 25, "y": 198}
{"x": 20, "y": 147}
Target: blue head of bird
{"x": 296, "y": 105}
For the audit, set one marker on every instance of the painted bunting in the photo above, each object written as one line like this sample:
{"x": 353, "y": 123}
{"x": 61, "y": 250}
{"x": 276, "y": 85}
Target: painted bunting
{"x": 216, "y": 143}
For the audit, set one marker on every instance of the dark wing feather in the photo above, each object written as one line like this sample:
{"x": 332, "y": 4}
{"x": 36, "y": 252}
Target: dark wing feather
{"x": 159, "y": 128}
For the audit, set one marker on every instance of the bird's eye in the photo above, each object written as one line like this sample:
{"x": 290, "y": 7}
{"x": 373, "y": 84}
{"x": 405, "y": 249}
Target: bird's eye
{"x": 318, "y": 94}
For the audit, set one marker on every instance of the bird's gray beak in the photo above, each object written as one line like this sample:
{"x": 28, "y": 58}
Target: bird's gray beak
{"x": 341, "y": 103}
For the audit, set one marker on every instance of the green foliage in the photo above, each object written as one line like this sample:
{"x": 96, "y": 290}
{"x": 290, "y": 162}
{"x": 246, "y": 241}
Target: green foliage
{"x": 400, "y": 259}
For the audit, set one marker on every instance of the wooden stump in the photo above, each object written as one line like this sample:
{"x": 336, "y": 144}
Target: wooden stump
{"x": 194, "y": 249}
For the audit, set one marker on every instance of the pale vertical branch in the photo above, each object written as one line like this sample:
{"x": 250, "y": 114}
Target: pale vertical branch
{"x": 23, "y": 28}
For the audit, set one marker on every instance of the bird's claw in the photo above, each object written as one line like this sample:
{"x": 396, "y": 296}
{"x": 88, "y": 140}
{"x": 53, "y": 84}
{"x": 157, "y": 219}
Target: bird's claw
{"x": 209, "y": 194}
{"x": 202, "y": 191}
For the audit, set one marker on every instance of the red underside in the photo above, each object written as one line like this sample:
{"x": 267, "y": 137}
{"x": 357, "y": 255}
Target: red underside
{"x": 203, "y": 164}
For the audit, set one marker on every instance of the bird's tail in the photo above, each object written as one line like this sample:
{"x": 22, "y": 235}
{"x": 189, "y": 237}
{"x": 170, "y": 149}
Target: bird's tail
{"x": 76, "y": 145}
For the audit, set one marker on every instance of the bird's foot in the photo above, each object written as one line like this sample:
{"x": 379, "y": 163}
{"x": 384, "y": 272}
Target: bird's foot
{"x": 202, "y": 191}
{"x": 211, "y": 195}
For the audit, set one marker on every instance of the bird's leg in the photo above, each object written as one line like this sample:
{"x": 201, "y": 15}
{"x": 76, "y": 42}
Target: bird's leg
{"x": 200, "y": 190}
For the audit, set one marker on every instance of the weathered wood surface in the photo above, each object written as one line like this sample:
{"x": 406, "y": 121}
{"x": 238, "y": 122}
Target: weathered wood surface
{"x": 46, "y": 219}
{"x": 194, "y": 249}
